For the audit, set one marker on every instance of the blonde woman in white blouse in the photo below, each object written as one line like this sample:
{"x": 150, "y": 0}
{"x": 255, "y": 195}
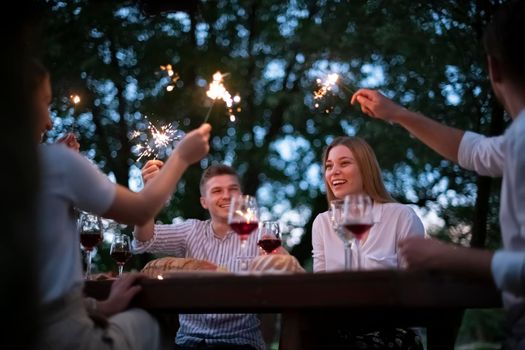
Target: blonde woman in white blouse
{"x": 350, "y": 167}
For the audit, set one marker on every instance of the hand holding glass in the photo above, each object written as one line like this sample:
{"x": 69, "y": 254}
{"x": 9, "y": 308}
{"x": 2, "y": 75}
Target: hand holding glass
{"x": 243, "y": 218}
{"x": 90, "y": 228}
{"x": 120, "y": 251}
{"x": 269, "y": 236}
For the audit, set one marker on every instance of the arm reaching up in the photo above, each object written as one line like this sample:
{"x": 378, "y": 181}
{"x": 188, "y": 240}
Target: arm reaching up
{"x": 139, "y": 208}
{"x": 70, "y": 140}
{"x": 443, "y": 139}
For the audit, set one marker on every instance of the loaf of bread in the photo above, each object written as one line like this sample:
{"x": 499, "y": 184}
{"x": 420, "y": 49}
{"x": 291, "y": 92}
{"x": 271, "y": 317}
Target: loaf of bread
{"x": 275, "y": 263}
{"x": 161, "y": 266}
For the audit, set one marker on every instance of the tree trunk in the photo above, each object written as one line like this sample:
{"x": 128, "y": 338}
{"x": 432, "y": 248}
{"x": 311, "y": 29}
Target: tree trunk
{"x": 484, "y": 184}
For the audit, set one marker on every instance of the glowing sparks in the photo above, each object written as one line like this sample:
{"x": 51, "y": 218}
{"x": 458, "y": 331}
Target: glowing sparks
{"x": 217, "y": 91}
{"x": 249, "y": 215}
{"x": 168, "y": 68}
{"x": 159, "y": 143}
{"x": 325, "y": 86}
{"x": 75, "y": 99}
{"x": 324, "y": 92}
{"x": 174, "y": 76}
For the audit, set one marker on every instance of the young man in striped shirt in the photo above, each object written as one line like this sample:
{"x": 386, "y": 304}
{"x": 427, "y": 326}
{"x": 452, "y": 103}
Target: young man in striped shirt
{"x": 210, "y": 240}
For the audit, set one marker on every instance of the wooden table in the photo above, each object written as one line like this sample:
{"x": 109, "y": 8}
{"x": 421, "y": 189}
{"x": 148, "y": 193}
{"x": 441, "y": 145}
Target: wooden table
{"x": 308, "y": 302}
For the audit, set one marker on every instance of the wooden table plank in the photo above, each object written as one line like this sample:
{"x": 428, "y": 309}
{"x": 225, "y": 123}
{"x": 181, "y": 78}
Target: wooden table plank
{"x": 308, "y": 301}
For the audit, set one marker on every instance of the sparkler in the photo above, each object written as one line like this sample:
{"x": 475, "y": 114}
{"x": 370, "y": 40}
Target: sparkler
{"x": 174, "y": 76}
{"x": 160, "y": 141}
{"x": 326, "y": 86}
{"x": 75, "y": 100}
{"x": 217, "y": 91}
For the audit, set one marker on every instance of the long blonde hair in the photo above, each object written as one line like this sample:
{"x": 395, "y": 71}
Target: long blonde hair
{"x": 368, "y": 168}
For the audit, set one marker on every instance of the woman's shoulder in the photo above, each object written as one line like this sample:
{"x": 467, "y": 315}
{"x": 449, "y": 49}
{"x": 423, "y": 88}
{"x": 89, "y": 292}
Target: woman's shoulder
{"x": 321, "y": 219}
{"x": 403, "y": 213}
{"x": 393, "y": 208}
{"x": 57, "y": 152}
{"x": 52, "y": 149}
{"x": 57, "y": 158}
{"x": 322, "y": 216}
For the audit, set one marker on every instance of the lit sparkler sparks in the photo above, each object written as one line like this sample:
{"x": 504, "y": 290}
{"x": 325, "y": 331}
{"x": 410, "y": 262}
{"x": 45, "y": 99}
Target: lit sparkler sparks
{"x": 160, "y": 141}
{"x": 75, "y": 99}
{"x": 217, "y": 91}
{"x": 325, "y": 87}
{"x": 249, "y": 215}
{"x": 174, "y": 76}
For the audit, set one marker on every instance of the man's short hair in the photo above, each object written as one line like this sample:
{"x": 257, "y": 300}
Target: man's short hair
{"x": 216, "y": 170}
{"x": 504, "y": 39}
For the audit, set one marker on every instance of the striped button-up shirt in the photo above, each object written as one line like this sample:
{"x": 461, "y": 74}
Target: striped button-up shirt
{"x": 196, "y": 239}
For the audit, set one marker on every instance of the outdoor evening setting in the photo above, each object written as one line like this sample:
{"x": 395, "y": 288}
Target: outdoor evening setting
{"x": 262, "y": 175}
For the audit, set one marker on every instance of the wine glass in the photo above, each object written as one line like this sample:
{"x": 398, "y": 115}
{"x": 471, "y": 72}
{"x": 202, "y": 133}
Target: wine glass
{"x": 243, "y": 218}
{"x": 357, "y": 218}
{"x": 336, "y": 218}
{"x": 90, "y": 228}
{"x": 269, "y": 236}
{"x": 120, "y": 251}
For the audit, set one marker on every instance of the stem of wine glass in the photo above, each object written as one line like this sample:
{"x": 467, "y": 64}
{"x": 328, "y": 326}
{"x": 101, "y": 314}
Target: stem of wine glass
{"x": 88, "y": 267}
{"x": 244, "y": 262}
{"x": 348, "y": 256}
{"x": 120, "y": 269}
{"x": 358, "y": 253}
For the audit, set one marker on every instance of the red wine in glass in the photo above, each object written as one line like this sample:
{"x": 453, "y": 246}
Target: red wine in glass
{"x": 269, "y": 245}
{"x": 121, "y": 256}
{"x": 243, "y": 229}
{"x": 358, "y": 228}
{"x": 90, "y": 239}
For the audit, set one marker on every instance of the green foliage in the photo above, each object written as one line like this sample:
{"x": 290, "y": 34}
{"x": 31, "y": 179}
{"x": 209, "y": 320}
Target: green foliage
{"x": 484, "y": 325}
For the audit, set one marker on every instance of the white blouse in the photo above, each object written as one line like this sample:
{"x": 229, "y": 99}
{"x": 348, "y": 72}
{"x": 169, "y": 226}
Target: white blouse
{"x": 392, "y": 223}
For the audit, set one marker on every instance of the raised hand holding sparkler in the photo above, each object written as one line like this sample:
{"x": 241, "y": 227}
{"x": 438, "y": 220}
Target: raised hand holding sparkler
{"x": 70, "y": 138}
{"x": 217, "y": 91}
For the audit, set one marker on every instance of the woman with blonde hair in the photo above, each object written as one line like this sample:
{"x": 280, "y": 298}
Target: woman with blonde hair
{"x": 351, "y": 167}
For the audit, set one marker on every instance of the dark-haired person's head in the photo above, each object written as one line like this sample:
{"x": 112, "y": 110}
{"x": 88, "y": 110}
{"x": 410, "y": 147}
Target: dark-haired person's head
{"x": 218, "y": 184}
{"x": 39, "y": 82}
{"x": 504, "y": 42}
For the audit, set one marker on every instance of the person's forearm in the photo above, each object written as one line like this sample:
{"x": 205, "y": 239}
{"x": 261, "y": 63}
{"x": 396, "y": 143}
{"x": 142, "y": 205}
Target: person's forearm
{"x": 469, "y": 260}
{"x": 139, "y": 208}
{"x": 159, "y": 189}
{"x": 443, "y": 139}
{"x": 508, "y": 269}
{"x": 144, "y": 232}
